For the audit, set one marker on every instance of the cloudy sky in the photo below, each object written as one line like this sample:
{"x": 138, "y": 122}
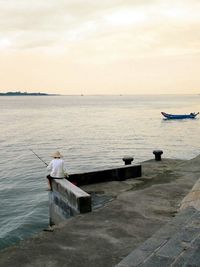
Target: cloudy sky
{"x": 100, "y": 46}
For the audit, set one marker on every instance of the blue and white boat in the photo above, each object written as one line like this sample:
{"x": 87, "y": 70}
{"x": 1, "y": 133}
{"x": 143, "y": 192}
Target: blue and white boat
{"x": 183, "y": 116}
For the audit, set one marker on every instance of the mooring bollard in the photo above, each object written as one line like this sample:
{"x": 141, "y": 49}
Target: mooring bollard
{"x": 127, "y": 160}
{"x": 158, "y": 154}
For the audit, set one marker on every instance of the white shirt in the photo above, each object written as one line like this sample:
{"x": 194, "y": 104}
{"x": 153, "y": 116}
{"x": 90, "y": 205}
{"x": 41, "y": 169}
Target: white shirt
{"x": 57, "y": 168}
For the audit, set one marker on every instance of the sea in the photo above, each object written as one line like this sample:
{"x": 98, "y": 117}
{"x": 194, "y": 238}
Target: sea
{"x": 92, "y": 132}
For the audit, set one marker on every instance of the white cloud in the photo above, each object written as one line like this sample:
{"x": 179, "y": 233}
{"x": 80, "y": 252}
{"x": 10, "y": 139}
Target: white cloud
{"x": 4, "y": 43}
{"x": 128, "y": 16}
{"x": 142, "y": 27}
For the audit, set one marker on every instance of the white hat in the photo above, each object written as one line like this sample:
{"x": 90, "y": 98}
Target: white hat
{"x": 57, "y": 155}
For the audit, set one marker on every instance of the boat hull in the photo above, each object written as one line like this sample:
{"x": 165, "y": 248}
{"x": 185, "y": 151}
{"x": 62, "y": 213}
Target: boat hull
{"x": 179, "y": 117}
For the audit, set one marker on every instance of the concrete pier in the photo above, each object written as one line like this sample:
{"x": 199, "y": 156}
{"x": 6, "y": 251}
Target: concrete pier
{"x": 107, "y": 175}
{"x": 66, "y": 200}
{"x": 139, "y": 212}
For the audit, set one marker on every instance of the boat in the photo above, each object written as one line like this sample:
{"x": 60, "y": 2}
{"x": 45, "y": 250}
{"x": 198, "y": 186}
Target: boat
{"x": 192, "y": 115}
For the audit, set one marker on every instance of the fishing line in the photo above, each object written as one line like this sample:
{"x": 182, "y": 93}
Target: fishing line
{"x": 38, "y": 157}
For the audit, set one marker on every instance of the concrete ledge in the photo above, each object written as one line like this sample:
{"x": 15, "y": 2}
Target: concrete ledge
{"x": 193, "y": 198}
{"x": 66, "y": 200}
{"x": 176, "y": 243}
{"x": 104, "y": 237}
{"x": 169, "y": 246}
{"x": 115, "y": 174}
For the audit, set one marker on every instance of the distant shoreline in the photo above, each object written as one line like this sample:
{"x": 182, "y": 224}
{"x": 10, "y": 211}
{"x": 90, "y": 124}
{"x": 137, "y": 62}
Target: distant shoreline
{"x": 25, "y": 94}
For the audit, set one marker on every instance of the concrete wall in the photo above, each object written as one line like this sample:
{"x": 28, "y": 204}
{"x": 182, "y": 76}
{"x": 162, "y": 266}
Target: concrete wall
{"x": 115, "y": 174}
{"x": 192, "y": 199}
{"x": 66, "y": 200}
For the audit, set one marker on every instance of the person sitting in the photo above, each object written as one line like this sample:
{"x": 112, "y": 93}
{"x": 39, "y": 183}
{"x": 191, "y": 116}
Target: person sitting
{"x": 57, "y": 168}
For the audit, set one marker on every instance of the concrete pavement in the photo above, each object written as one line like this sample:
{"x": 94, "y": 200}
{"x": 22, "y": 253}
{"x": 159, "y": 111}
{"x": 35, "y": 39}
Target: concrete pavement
{"x": 130, "y": 213}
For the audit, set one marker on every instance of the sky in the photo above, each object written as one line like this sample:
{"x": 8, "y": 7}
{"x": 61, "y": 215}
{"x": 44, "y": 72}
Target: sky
{"x": 100, "y": 46}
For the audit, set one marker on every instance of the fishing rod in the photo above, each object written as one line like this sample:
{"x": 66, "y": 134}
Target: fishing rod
{"x": 38, "y": 157}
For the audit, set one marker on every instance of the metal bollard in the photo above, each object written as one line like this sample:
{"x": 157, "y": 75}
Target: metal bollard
{"x": 158, "y": 154}
{"x": 127, "y": 160}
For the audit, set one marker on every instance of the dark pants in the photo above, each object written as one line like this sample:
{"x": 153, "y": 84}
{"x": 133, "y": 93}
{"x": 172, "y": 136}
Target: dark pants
{"x": 50, "y": 178}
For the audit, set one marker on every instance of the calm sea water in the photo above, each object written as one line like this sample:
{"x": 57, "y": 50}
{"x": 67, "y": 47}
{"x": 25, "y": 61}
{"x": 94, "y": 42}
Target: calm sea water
{"x": 93, "y": 132}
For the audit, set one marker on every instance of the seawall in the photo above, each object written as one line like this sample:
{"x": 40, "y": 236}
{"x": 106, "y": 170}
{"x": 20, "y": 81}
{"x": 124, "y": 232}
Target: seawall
{"x": 67, "y": 199}
{"x": 135, "y": 211}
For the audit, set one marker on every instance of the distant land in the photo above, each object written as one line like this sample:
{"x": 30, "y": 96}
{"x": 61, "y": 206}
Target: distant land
{"x": 24, "y": 93}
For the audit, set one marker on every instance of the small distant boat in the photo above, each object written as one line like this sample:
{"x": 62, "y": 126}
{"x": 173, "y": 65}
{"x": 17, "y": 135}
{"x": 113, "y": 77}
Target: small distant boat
{"x": 192, "y": 115}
